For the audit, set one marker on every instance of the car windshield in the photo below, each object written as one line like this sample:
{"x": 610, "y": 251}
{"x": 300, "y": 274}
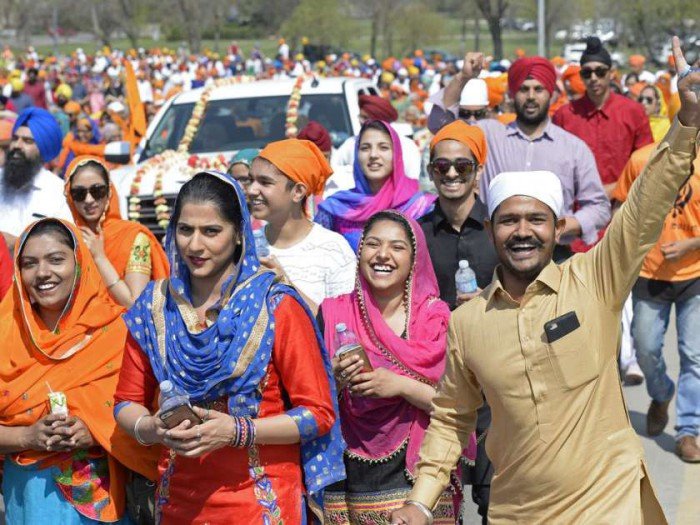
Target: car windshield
{"x": 234, "y": 124}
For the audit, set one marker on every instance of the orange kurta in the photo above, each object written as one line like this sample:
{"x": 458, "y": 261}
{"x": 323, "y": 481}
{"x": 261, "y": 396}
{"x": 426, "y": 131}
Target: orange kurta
{"x": 201, "y": 490}
{"x": 683, "y": 221}
{"x": 82, "y": 359}
{"x": 119, "y": 234}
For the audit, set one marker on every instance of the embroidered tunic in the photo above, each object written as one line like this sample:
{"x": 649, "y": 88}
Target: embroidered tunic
{"x": 208, "y": 489}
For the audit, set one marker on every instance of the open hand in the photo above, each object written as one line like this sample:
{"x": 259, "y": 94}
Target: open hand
{"x": 688, "y": 88}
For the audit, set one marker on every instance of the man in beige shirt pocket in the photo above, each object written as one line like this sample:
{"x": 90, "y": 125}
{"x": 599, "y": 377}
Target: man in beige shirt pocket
{"x": 541, "y": 342}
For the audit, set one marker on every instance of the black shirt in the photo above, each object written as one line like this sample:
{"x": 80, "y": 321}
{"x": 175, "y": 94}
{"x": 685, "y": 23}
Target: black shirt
{"x": 448, "y": 246}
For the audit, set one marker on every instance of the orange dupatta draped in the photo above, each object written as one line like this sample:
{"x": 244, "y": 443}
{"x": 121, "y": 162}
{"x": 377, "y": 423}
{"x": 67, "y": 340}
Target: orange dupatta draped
{"x": 118, "y": 234}
{"x": 82, "y": 359}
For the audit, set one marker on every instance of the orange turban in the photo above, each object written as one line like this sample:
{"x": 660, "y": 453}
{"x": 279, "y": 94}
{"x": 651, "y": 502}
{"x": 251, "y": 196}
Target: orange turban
{"x": 300, "y": 161}
{"x": 496, "y": 89}
{"x": 72, "y": 107}
{"x": 637, "y": 60}
{"x": 558, "y": 61}
{"x": 637, "y": 87}
{"x": 470, "y": 136}
{"x": 572, "y": 74}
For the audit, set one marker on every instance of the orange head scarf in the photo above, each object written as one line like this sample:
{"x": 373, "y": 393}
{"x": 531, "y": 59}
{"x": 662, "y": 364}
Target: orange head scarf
{"x": 573, "y": 75}
{"x": 470, "y": 136}
{"x": 300, "y": 161}
{"x": 119, "y": 235}
{"x": 497, "y": 87}
{"x": 81, "y": 358}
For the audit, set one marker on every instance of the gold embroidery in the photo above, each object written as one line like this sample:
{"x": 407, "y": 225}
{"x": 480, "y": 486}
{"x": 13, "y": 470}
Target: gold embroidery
{"x": 158, "y": 313}
{"x": 140, "y": 257}
{"x": 189, "y": 315}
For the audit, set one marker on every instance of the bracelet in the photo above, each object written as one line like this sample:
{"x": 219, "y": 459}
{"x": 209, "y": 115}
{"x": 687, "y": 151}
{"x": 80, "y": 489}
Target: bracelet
{"x": 136, "y": 431}
{"x": 687, "y": 71}
{"x": 114, "y": 283}
{"x": 244, "y": 432}
{"x": 425, "y": 510}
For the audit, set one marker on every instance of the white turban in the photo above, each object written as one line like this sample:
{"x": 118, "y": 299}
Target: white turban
{"x": 475, "y": 93}
{"x": 544, "y": 186}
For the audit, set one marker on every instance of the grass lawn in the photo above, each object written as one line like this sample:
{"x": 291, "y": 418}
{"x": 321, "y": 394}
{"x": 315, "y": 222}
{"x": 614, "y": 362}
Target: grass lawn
{"x": 450, "y": 40}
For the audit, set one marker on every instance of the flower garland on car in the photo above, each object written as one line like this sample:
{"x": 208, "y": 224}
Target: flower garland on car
{"x": 291, "y": 129}
{"x": 180, "y": 160}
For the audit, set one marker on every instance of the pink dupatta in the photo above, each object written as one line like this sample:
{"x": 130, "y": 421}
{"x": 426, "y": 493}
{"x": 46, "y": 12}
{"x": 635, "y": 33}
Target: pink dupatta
{"x": 377, "y": 429}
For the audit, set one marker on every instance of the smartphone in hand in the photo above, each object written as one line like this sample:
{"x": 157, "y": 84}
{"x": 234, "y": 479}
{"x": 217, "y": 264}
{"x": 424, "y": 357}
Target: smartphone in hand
{"x": 173, "y": 417}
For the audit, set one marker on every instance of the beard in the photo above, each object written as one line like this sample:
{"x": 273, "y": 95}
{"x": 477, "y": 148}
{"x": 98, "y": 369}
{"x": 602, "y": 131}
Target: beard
{"x": 20, "y": 171}
{"x": 531, "y": 120}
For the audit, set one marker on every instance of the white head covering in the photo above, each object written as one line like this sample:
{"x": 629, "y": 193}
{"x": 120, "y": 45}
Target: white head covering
{"x": 475, "y": 93}
{"x": 544, "y": 186}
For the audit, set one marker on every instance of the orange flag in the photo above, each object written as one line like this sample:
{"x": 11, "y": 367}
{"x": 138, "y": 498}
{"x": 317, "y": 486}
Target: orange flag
{"x": 137, "y": 113}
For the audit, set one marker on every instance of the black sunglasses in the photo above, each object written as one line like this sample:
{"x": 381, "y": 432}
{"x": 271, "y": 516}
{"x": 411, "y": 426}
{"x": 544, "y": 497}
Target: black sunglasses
{"x": 98, "y": 192}
{"x": 646, "y": 100}
{"x": 462, "y": 165}
{"x": 466, "y": 114}
{"x": 599, "y": 72}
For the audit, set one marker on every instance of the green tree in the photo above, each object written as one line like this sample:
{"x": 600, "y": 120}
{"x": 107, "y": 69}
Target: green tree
{"x": 493, "y": 11}
{"x": 324, "y": 22}
{"x": 417, "y": 26}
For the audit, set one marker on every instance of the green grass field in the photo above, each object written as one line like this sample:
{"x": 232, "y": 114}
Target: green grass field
{"x": 450, "y": 40}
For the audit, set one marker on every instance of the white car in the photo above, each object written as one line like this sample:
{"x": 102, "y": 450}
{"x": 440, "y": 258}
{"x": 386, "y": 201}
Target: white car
{"x": 238, "y": 116}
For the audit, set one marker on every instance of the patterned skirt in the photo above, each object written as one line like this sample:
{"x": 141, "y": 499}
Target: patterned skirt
{"x": 372, "y": 491}
{"x": 375, "y": 508}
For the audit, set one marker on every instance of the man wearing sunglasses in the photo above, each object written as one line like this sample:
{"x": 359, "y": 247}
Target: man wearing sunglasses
{"x": 28, "y": 191}
{"x": 612, "y": 125}
{"x": 474, "y": 102}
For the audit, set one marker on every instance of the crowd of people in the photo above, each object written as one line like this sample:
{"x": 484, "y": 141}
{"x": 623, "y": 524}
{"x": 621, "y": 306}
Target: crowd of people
{"x": 326, "y": 363}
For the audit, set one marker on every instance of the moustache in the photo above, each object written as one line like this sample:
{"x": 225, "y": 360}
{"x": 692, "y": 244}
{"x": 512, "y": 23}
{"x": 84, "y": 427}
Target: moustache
{"x": 524, "y": 240}
{"x": 16, "y": 154}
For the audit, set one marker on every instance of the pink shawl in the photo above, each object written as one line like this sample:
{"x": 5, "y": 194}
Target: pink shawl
{"x": 376, "y": 429}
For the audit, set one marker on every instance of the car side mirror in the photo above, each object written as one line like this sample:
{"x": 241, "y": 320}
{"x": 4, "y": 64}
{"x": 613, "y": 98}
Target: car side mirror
{"x": 118, "y": 152}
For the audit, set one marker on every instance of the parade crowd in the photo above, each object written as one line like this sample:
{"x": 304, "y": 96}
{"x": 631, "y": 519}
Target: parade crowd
{"x": 294, "y": 352}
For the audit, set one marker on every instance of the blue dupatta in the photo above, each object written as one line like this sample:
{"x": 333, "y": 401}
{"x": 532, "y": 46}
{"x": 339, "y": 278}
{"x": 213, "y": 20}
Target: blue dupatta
{"x": 230, "y": 357}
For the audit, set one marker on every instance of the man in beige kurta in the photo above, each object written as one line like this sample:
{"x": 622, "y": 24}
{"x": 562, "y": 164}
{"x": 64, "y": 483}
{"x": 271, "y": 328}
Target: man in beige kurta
{"x": 561, "y": 442}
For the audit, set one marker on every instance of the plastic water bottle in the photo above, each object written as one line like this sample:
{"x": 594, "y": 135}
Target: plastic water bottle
{"x": 171, "y": 397}
{"x": 262, "y": 247}
{"x": 465, "y": 278}
{"x": 345, "y": 338}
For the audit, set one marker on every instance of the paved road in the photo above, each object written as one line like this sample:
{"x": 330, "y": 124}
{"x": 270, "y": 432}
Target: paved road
{"x": 677, "y": 484}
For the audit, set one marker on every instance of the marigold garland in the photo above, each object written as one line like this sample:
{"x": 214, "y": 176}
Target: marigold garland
{"x": 179, "y": 161}
{"x": 291, "y": 129}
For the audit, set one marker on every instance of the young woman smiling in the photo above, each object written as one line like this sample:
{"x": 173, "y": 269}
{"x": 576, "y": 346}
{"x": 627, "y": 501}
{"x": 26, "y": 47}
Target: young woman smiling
{"x": 401, "y": 323}
{"x": 126, "y": 253}
{"x": 244, "y": 348}
{"x": 380, "y": 184}
{"x": 61, "y": 332}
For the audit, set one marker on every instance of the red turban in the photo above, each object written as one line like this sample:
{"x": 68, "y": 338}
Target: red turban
{"x": 300, "y": 161}
{"x": 537, "y": 68}
{"x": 378, "y": 108}
{"x": 470, "y": 136}
{"x": 317, "y": 134}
